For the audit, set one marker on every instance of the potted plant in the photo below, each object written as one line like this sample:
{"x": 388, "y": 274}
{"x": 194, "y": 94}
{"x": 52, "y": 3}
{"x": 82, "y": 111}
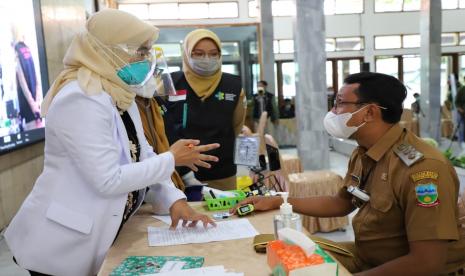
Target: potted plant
{"x": 459, "y": 165}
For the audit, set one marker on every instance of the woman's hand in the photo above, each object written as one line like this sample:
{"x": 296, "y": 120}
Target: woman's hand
{"x": 181, "y": 210}
{"x": 188, "y": 153}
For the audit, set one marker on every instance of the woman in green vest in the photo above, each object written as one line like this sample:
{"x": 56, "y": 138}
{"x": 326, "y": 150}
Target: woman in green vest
{"x": 210, "y": 105}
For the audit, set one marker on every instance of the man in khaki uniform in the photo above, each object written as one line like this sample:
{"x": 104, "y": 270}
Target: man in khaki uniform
{"x": 406, "y": 191}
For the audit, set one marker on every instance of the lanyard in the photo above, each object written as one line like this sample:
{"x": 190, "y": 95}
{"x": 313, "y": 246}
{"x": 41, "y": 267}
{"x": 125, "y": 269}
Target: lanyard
{"x": 361, "y": 181}
{"x": 365, "y": 178}
{"x": 184, "y": 115}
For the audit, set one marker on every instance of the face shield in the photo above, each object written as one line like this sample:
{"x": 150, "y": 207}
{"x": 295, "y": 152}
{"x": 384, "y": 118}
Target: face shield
{"x": 165, "y": 86}
{"x": 143, "y": 68}
{"x": 137, "y": 70}
{"x": 148, "y": 74}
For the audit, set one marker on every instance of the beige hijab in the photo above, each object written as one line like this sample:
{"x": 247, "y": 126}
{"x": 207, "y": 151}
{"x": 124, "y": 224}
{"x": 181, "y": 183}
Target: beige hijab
{"x": 95, "y": 55}
{"x": 202, "y": 86}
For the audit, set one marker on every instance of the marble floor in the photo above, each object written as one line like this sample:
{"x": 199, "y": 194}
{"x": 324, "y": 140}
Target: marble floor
{"x": 338, "y": 164}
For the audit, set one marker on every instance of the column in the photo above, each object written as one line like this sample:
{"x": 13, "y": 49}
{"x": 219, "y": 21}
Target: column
{"x": 430, "y": 52}
{"x": 366, "y": 30}
{"x": 311, "y": 99}
{"x": 266, "y": 38}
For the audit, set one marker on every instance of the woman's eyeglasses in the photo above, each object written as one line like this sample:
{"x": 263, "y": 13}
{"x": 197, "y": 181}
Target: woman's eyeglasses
{"x": 202, "y": 54}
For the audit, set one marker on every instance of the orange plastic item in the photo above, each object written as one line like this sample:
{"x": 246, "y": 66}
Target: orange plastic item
{"x": 289, "y": 256}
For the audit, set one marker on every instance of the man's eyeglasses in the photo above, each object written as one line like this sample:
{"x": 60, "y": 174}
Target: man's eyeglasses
{"x": 201, "y": 54}
{"x": 337, "y": 104}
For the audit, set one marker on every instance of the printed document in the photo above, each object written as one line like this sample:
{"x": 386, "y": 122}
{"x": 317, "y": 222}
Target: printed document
{"x": 224, "y": 230}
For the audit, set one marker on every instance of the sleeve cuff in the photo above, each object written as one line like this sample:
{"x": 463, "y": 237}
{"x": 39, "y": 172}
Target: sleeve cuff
{"x": 162, "y": 196}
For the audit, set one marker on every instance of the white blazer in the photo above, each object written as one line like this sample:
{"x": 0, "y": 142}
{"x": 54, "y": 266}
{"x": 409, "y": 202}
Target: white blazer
{"x": 70, "y": 219}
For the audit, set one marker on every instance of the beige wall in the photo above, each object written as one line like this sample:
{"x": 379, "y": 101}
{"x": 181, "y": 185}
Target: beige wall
{"x": 62, "y": 19}
{"x": 19, "y": 169}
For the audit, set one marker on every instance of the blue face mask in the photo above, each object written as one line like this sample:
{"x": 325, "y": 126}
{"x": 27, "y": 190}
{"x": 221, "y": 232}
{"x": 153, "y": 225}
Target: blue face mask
{"x": 134, "y": 73}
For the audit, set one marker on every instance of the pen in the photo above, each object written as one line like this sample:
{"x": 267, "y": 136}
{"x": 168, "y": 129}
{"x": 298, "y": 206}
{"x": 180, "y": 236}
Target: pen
{"x": 212, "y": 194}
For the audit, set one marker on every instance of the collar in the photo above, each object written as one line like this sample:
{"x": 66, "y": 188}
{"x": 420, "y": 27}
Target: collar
{"x": 377, "y": 151}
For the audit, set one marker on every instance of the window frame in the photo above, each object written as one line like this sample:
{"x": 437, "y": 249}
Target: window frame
{"x": 362, "y": 43}
{"x": 188, "y": 3}
{"x": 248, "y": 9}
{"x": 403, "y": 7}
{"x": 334, "y": 81}
{"x": 381, "y": 49}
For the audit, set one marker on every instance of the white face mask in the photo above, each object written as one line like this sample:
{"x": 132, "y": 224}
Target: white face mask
{"x": 206, "y": 66}
{"x": 147, "y": 90}
{"x": 336, "y": 124}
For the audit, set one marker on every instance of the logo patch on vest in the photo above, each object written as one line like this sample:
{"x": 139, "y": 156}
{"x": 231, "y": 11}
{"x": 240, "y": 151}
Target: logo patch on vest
{"x": 427, "y": 195}
{"x": 162, "y": 109}
{"x": 221, "y": 96}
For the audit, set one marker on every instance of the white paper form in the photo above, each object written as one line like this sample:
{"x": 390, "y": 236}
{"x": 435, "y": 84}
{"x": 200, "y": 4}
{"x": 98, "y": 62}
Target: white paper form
{"x": 165, "y": 219}
{"x": 224, "y": 230}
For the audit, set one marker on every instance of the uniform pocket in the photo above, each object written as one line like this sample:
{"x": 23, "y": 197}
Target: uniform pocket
{"x": 381, "y": 203}
{"x": 69, "y": 218}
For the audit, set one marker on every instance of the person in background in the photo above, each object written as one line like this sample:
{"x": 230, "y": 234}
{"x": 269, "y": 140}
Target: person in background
{"x": 210, "y": 105}
{"x": 154, "y": 130}
{"x": 406, "y": 190}
{"x": 29, "y": 90}
{"x": 416, "y": 107}
{"x": 2, "y": 91}
{"x": 460, "y": 106}
{"x": 287, "y": 110}
{"x": 263, "y": 101}
{"x": 98, "y": 163}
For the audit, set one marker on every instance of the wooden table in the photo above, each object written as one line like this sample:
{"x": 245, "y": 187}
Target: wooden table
{"x": 235, "y": 255}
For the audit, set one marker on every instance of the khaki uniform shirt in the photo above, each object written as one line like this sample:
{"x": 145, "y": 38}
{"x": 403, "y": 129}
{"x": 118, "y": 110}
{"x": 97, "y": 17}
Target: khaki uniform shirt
{"x": 403, "y": 206}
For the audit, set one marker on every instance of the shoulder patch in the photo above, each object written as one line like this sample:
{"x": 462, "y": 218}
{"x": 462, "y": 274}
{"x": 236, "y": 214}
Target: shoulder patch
{"x": 424, "y": 175}
{"x": 407, "y": 153}
{"x": 427, "y": 195}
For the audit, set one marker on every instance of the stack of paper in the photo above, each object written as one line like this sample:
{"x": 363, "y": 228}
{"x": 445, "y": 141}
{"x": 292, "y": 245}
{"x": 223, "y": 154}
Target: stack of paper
{"x": 202, "y": 271}
{"x": 224, "y": 230}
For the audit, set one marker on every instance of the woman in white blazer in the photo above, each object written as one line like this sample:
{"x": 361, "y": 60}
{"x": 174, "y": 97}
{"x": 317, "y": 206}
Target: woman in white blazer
{"x": 97, "y": 161}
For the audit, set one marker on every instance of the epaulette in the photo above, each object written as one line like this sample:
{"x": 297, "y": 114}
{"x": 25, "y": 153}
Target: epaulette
{"x": 407, "y": 153}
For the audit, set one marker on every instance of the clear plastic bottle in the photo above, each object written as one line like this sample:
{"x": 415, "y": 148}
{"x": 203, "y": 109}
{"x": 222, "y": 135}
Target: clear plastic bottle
{"x": 286, "y": 218}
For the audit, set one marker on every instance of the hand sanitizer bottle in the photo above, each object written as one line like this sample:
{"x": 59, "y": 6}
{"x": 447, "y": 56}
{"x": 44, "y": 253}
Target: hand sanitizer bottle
{"x": 286, "y": 218}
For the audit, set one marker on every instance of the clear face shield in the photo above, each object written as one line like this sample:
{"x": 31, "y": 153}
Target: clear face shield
{"x": 143, "y": 69}
{"x": 165, "y": 86}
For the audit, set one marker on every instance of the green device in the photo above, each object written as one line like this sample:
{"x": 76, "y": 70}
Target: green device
{"x": 245, "y": 210}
